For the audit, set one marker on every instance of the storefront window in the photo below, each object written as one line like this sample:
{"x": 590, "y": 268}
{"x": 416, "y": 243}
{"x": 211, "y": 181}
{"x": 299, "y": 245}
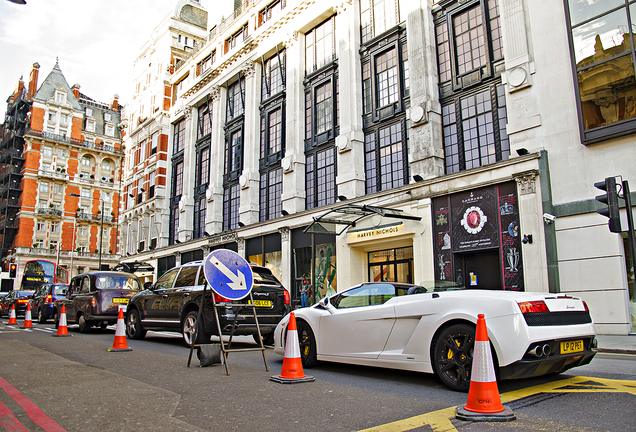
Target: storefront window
{"x": 391, "y": 265}
{"x": 631, "y": 285}
{"x": 266, "y": 251}
{"x": 314, "y": 267}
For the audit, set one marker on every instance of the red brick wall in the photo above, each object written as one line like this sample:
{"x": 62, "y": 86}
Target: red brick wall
{"x": 24, "y": 238}
{"x": 37, "y": 119}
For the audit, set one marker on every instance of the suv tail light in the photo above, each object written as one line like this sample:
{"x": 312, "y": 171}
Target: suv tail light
{"x": 533, "y": 307}
{"x": 93, "y": 302}
{"x": 48, "y": 299}
{"x": 287, "y": 299}
{"x": 22, "y": 301}
{"x": 221, "y": 299}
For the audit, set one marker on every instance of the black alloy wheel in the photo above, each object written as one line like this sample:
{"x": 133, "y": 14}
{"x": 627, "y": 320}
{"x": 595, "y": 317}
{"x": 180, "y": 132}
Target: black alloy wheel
{"x": 84, "y": 325}
{"x": 453, "y": 356}
{"x": 134, "y": 329}
{"x": 307, "y": 342}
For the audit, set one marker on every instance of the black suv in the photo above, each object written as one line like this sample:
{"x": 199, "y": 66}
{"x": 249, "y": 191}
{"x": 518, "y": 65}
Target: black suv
{"x": 172, "y": 304}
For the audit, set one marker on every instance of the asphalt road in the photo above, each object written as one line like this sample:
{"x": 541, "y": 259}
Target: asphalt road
{"x": 82, "y": 387}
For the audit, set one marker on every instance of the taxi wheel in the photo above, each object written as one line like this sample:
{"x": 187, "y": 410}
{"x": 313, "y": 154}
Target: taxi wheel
{"x": 84, "y": 326}
{"x": 56, "y": 318}
{"x": 453, "y": 356}
{"x": 307, "y": 342}
{"x": 188, "y": 330}
{"x": 134, "y": 330}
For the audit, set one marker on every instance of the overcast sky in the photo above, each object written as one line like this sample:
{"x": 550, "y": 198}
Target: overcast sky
{"x": 96, "y": 41}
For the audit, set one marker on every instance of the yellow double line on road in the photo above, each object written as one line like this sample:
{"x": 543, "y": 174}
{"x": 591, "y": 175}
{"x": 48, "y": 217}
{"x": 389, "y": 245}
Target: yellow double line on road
{"x": 440, "y": 421}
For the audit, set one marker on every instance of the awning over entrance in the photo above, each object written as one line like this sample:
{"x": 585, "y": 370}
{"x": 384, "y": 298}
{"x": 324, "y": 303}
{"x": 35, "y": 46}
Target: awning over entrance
{"x": 134, "y": 267}
{"x": 349, "y": 215}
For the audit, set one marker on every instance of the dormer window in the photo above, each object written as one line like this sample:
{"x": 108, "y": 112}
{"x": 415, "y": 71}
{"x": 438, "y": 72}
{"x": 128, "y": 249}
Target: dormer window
{"x": 60, "y": 97}
{"x": 90, "y": 125}
{"x": 110, "y": 130}
{"x": 89, "y": 112}
{"x": 107, "y": 117}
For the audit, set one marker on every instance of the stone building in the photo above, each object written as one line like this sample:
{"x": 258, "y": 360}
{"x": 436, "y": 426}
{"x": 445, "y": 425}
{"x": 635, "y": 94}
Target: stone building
{"x": 345, "y": 141}
{"x": 61, "y": 175}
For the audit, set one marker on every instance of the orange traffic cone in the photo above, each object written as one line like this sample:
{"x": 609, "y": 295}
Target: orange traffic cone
{"x": 62, "y": 328}
{"x": 292, "y": 371}
{"x": 27, "y": 317}
{"x": 484, "y": 402}
{"x": 120, "y": 334}
{"x": 12, "y": 320}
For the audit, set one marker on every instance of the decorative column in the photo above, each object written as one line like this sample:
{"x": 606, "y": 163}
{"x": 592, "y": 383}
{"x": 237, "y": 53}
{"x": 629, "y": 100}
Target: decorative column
{"x": 350, "y": 142}
{"x": 293, "y": 164}
{"x": 214, "y": 194}
{"x": 286, "y": 253}
{"x": 186, "y": 205}
{"x": 426, "y": 151}
{"x": 249, "y": 180}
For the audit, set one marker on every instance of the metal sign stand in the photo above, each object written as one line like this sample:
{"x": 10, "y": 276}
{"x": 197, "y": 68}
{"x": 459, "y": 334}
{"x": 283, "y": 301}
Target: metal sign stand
{"x": 217, "y": 310}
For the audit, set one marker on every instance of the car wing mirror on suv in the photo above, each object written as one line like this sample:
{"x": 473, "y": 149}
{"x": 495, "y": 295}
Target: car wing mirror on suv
{"x": 326, "y": 304}
{"x": 148, "y": 285}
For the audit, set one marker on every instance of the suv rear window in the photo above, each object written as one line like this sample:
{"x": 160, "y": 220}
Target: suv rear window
{"x": 59, "y": 289}
{"x": 264, "y": 276}
{"x": 117, "y": 282}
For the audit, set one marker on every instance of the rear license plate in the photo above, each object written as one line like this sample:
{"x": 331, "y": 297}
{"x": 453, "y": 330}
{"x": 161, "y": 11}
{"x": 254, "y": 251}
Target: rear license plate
{"x": 120, "y": 300}
{"x": 571, "y": 346}
{"x": 263, "y": 303}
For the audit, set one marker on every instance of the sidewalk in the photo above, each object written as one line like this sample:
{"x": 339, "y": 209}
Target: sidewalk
{"x": 617, "y": 344}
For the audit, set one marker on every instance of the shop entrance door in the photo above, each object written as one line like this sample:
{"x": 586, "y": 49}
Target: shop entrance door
{"x": 482, "y": 270}
{"x": 392, "y": 265}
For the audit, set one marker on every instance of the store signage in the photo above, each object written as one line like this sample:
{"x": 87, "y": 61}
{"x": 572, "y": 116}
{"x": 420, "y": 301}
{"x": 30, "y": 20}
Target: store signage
{"x": 378, "y": 232}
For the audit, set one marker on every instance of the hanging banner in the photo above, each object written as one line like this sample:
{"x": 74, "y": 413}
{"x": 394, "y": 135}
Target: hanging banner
{"x": 442, "y": 239}
{"x": 512, "y": 270}
{"x": 475, "y": 222}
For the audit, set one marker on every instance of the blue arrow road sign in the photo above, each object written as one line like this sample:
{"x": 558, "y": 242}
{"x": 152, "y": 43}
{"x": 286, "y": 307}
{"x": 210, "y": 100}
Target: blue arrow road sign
{"x": 228, "y": 274}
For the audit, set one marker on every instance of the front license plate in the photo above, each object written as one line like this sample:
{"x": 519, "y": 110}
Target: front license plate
{"x": 120, "y": 300}
{"x": 571, "y": 346}
{"x": 263, "y": 303}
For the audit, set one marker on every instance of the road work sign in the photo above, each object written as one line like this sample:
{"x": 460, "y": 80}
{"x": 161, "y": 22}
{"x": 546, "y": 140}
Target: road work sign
{"x": 228, "y": 274}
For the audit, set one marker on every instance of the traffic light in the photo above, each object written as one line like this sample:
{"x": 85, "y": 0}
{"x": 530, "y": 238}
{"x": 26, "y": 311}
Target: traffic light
{"x": 13, "y": 268}
{"x": 610, "y": 199}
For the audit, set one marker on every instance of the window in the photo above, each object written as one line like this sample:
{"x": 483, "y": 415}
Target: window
{"x": 204, "y": 122}
{"x": 473, "y": 102}
{"x": 90, "y": 125}
{"x": 44, "y": 187}
{"x": 236, "y": 38}
{"x": 320, "y": 176}
{"x": 151, "y": 182}
{"x": 61, "y": 153}
{"x": 273, "y": 76}
{"x": 89, "y": 112}
{"x": 52, "y": 117}
{"x": 167, "y": 280}
{"x": 378, "y": 16}
{"x": 60, "y": 97}
{"x": 320, "y": 46}
{"x": 235, "y": 100}
{"x": 110, "y": 130}
{"x": 53, "y": 244}
{"x": 187, "y": 277}
{"x": 199, "y": 217}
{"x": 271, "y": 10}
{"x": 55, "y": 227}
{"x": 602, "y": 62}
{"x": 206, "y": 63}
{"x": 153, "y": 143}
{"x": 107, "y": 197}
{"x": 86, "y": 161}
{"x": 321, "y": 111}
{"x": 45, "y": 166}
{"x": 234, "y": 155}
{"x": 177, "y": 175}
{"x": 47, "y": 151}
{"x": 368, "y": 295}
{"x": 82, "y": 231}
{"x": 107, "y": 117}
{"x": 385, "y": 158}
{"x": 41, "y": 226}
{"x": 174, "y": 224}
{"x": 272, "y": 139}
{"x": 231, "y": 207}
{"x": 106, "y": 165}
{"x": 58, "y": 188}
{"x": 39, "y": 244}
{"x": 271, "y": 191}
{"x": 86, "y": 193}
{"x": 203, "y": 166}
{"x": 178, "y": 137}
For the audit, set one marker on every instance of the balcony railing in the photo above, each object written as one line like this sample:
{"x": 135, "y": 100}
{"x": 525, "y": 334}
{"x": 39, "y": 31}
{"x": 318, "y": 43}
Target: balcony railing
{"x": 54, "y": 174}
{"x": 82, "y": 143}
{"x": 49, "y": 211}
{"x": 64, "y": 253}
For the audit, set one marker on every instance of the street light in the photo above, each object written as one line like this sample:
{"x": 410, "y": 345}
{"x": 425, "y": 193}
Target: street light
{"x": 101, "y": 230}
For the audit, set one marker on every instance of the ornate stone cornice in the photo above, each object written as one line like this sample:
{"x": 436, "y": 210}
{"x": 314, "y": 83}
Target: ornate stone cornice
{"x": 248, "y": 69}
{"x": 290, "y": 39}
{"x": 215, "y": 93}
{"x": 526, "y": 182}
{"x": 284, "y": 233}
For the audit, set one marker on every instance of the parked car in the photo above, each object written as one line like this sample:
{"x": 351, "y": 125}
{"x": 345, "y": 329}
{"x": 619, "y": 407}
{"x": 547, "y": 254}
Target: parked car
{"x": 172, "y": 304}
{"x": 93, "y": 298}
{"x": 42, "y": 304}
{"x": 409, "y": 327}
{"x": 19, "y": 298}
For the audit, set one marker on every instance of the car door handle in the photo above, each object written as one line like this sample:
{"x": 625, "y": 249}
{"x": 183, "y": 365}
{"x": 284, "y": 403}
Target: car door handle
{"x": 186, "y": 294}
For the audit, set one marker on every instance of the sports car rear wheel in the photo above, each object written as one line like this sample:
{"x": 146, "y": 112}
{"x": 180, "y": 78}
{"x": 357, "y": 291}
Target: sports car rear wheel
{"x": 307, "y": 343}
{"x": 453, "y": 356}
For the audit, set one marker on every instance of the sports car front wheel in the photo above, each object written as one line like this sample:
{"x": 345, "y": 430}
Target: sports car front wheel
{"x": 307, "y": 343}
{"x": 453, "y": 356}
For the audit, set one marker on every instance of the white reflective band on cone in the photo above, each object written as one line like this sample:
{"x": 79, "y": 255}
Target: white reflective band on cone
{"x": 483, "y": 369}
{"x": 27, "y": 316}
{"x": 62, "y": 320}
{"x": 292, "y": 349}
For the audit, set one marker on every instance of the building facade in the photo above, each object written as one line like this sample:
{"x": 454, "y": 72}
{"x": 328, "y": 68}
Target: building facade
{"x": 146, "y": 194}
{"x": 61, "y": 155}
{"x": 420, "y": 141}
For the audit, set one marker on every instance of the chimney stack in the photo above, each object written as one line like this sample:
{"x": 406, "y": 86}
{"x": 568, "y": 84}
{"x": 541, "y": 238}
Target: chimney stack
{"x": 75, "y": 90}
{"x": 33, "y": 81}
{"x": 115, "y": 104}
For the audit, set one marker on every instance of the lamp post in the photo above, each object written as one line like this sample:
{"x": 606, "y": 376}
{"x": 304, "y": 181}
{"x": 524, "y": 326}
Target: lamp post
{"x": 101, "y": 235}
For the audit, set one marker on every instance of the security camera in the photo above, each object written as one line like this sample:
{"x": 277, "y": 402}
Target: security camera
{"x": 548, "y": 218}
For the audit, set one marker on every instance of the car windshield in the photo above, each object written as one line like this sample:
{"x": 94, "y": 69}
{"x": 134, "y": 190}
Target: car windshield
{"x": 24, "y": 293}
{"x": 117, "y": 282}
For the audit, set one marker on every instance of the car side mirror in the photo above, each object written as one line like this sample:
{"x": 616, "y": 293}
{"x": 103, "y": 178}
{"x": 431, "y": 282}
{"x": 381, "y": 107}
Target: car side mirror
{"x": 326, "y": 304}
{"x": 147, "y": 285}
